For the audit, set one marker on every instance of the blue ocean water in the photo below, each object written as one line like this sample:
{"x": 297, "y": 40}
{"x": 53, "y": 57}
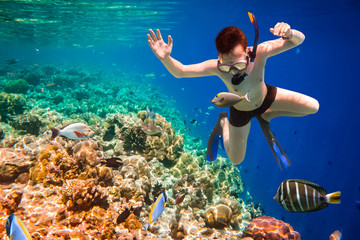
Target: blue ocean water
{"x": 323, "y": 147}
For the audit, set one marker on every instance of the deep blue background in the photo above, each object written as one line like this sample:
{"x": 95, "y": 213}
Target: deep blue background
{"x": 323, "y": 147}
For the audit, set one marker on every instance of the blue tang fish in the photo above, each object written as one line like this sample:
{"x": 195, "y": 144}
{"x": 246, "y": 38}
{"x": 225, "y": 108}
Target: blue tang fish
{"x": 15, "y": 229}
{"x": 156, "y": 210}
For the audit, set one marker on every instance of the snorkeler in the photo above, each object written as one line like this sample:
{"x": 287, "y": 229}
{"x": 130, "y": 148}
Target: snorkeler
{"x": 241, "y": 68}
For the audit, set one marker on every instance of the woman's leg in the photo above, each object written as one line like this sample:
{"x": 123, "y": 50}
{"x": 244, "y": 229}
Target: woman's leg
{"x": 292, "y": 104}
{"x": 235, "y": 140}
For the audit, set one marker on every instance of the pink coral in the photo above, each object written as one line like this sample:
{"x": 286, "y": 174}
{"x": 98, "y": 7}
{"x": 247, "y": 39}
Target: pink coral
{"x": 269, "y": 228}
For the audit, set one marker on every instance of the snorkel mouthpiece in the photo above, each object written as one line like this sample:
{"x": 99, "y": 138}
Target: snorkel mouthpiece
{"x": 237, "y": 78}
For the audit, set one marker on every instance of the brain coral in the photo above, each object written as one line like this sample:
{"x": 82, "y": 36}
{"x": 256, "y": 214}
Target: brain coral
{"x": 269, "y": 228}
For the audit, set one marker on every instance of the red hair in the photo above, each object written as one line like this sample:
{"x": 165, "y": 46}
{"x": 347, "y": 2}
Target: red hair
{"x": 228, "y": 38}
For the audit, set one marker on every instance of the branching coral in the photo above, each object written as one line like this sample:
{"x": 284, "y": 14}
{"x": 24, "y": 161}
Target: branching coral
{"x": 81, "y": 195}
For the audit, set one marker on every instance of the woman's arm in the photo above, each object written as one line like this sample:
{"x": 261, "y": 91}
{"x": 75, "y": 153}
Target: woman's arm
{"x": 290, "y": 38}
{"x": 176, "y": 68}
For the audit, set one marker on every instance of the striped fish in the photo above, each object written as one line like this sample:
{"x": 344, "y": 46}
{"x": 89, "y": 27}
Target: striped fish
{"x": 296, "y": 195}
{"x": 335, "y": 235}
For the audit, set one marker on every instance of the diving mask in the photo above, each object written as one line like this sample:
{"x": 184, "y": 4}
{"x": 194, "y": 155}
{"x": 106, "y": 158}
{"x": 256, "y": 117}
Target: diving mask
{"x": 238, "y": 65}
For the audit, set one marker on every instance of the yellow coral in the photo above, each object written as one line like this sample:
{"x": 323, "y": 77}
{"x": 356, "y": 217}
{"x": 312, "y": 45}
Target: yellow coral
{"x": 132, "y": 223}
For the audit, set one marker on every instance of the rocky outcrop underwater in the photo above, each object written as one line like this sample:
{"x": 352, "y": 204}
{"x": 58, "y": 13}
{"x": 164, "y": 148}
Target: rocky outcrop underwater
{"x": 104, "y": 187}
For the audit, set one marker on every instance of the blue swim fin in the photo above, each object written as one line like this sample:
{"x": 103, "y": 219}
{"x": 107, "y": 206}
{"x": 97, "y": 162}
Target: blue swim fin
{"x": 214, "y": 138}
{"x": 275, "y": 146}
{"x": 280, "y": 153}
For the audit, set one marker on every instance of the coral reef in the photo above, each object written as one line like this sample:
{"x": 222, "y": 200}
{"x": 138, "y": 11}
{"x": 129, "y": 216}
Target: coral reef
{"x": 134, "y": 140}
{"x": 79, "y": 195}
{"x": 1, "y": 133}
{"x": 11, "y": 104}
{"x": 165, "y": 146}
{"x": 16, "y": 86}
{"x": 218, "y": 216}
{"x": 265, "y": 227}
{"x": 10, "y": 199}
{"x": 29, "y": 123}
{"x": 12, "y": 164}
{"x": 56, "y": 164}
{"x": 104, "y": 187}
{"x": 133, "y": 181}
{"x": 32, "y": 77}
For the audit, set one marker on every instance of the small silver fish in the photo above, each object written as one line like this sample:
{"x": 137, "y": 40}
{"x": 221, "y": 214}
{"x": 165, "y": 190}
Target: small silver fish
{"x": 75, "y": 131}
{"x": 227, "y": 99}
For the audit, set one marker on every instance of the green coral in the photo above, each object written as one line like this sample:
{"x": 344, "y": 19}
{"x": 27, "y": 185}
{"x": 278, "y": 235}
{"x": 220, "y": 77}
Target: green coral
{"x": 11, "y": 104}
{"x": 1, "y": 133}
{"x": 134, "y": 139}
{"x": 16, "y": 86}
{"x": 29, "y": 123}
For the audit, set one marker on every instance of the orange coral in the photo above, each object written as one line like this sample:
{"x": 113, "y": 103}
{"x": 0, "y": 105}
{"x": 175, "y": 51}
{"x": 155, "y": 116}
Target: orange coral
{"x": 269, "y": 228}
{"x": 132, "y": 222}
{"x": 12, "y": 164}
{"x": 81, "y": 195}
{"x": 55, "y": 164}
{"x": 9, "y": 204}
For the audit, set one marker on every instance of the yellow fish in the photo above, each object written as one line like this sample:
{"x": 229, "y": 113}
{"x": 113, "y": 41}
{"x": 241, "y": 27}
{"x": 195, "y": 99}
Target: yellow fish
{"x": 227, "y": 99}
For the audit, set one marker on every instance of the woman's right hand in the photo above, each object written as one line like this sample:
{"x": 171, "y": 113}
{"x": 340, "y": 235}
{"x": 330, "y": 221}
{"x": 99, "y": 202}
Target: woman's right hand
{"x": 158, "y": 46}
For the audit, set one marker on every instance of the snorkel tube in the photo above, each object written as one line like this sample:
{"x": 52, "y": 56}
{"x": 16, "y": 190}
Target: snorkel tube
{"x": 239, "y": 77}
{"x": 256, "y": 40}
